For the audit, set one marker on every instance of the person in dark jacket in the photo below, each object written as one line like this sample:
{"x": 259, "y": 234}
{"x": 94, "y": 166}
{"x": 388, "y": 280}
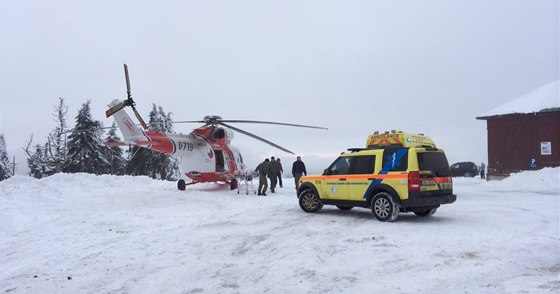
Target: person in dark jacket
{"x": 273, "y": 174}
{"x": 298, "y": 169}
{"x": 264, "y": 170}
{"x": 280, "y": 171}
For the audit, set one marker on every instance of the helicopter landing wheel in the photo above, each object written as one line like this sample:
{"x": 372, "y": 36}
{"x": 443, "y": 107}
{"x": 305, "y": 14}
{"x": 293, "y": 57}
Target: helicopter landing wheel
{"x": 181, "y": 185}
{"x": 233, "y": 184}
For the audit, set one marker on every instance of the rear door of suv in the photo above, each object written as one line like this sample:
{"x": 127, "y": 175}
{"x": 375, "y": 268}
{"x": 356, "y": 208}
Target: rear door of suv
{"x": 435, "y": 174}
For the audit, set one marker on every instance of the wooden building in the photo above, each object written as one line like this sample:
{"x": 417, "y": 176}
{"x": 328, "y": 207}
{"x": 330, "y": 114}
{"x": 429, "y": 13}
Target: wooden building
{"x": 524, "y": 134}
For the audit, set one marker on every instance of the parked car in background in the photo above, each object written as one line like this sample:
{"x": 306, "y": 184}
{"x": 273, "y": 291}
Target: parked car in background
{"x": 464, "y": 169}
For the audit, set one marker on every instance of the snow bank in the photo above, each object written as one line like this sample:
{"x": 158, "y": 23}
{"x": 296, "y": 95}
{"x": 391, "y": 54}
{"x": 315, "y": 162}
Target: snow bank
{"x": 77, "y": 184}
{"x": 546, "y": 180}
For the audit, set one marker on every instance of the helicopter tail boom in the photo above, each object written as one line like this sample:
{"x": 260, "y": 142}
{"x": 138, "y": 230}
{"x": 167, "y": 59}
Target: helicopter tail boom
{"x": 133, "y": 135}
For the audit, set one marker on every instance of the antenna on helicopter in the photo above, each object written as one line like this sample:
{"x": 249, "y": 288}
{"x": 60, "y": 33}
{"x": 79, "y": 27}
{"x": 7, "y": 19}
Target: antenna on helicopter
{"x": 127, "y": 102}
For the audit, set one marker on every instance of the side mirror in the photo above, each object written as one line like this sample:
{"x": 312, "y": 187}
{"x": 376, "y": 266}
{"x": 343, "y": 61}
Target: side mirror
{"x": 326, "y": 172}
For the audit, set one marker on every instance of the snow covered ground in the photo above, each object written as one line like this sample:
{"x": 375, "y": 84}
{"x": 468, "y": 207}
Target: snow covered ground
{"x": 80, "y": 233}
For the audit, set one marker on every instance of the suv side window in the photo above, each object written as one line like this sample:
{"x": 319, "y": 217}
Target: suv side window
{"x": 362, "y": 164}
{"x": 340, "y": 166}
{"x": 395, "y": 159}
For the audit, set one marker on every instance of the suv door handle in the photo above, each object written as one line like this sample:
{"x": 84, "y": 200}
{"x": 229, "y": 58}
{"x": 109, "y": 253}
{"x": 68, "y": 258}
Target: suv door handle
{"x": 342, "y": 179}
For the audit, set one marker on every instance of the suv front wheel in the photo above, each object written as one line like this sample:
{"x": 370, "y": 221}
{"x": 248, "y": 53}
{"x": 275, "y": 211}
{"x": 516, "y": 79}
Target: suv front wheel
{"x": 384, "y": 208}
{"x": 309, "y": 201}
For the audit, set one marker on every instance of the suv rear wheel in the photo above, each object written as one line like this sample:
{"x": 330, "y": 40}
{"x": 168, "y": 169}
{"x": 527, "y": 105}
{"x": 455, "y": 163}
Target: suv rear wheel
{"x": 426, "y": 212}
{"x": 309, "y": 201}
{"x": 384, "y": 208}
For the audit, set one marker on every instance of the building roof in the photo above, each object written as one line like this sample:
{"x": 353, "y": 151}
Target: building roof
{"x": 544, "y": 99}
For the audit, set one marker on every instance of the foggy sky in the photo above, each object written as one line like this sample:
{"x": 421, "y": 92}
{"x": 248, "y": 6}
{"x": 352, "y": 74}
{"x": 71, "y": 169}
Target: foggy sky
{"x": 352, "y": 66}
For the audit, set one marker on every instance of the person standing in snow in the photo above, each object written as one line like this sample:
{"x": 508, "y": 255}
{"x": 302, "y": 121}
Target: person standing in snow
{"x": 280, "y": 171}
{"x": 273, "y": 175}
{"x": 482, "y": 170}
{"x": 298, "y": 169}
{"x": 264, "y": 169}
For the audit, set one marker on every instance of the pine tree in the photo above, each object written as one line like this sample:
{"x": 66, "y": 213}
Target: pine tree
{"x": 150, "y": 163}
{"x": 86, "y": 152}
{"x": 37, "y": 162}
{"x": 5, "y": 170}
{"x": 139, "y": 163}
{"x": 50, "y": 158}
{"x": 165, "y": 167}
{"x": 116, "y": 158}
{"x": 56, "y": 146}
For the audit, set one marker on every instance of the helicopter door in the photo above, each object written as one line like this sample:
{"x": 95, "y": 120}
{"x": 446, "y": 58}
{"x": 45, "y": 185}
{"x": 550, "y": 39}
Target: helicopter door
{"x": 219, "y": 160}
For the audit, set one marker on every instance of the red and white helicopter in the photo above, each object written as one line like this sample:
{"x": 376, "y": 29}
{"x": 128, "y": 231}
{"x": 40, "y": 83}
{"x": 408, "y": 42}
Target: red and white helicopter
{"x": 204, "y": 155}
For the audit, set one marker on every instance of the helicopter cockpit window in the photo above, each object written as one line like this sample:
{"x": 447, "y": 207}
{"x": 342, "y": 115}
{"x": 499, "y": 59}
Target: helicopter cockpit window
{"x": 218, "y": 134}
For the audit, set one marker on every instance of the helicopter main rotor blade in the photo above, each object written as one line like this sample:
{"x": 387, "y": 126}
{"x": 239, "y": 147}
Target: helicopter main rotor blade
{"x": 188, "y": 121}
{"x": 257, "y": 137}
{"x": 272, "y": 123}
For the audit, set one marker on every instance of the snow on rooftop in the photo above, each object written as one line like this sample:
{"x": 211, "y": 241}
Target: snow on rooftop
{"x": 546, "y": 97}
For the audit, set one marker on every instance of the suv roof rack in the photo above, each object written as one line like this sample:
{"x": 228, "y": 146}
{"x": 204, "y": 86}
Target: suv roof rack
{"x": 383, "y": 146}
{"x": 356, "y": 149}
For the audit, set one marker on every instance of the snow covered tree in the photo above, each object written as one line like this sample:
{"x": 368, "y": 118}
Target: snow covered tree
{"x": 5, "y": 170}
{"x": 86, "y": 152}
{"x": 115, "y": 154}
{"x": 150, "y": 163}
{"x": 37, "y": 162}
{"x": 50, "y": 158}
{"x": 56, "y": 146}
{"x": 139, "y": 162}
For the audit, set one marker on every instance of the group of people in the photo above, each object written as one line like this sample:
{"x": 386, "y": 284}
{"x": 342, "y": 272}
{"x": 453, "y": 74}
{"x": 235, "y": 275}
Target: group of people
{"x": 272, "y": 169}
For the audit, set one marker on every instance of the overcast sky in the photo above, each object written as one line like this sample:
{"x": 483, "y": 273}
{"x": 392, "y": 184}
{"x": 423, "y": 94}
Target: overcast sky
{"x": 353, "y": 66}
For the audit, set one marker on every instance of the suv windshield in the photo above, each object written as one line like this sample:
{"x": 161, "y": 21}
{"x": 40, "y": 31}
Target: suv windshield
{"x": 435, "y": 162}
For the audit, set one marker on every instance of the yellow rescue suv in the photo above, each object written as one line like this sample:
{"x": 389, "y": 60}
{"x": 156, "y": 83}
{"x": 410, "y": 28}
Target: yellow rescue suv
{"x": 396, "y": 172}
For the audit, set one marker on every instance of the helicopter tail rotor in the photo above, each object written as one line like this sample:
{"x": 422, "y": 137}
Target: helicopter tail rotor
{"x": 127, "y": 102}
{"x": 142, "y": 122}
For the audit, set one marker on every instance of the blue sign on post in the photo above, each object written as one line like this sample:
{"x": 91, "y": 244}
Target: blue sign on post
{"x": 533, "y": 162}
